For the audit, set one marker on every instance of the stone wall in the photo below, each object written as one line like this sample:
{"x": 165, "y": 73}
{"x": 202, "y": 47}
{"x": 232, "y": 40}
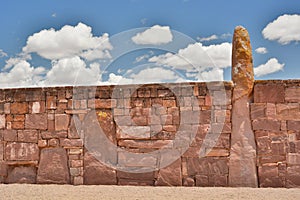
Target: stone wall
{"x": 275, "y": 116}
{"x": 52, "y": 135}
{"x": 58, "y": 135}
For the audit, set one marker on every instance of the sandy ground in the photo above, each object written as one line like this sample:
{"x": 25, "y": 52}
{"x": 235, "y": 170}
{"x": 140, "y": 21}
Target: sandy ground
{"x": 25, "y": 192}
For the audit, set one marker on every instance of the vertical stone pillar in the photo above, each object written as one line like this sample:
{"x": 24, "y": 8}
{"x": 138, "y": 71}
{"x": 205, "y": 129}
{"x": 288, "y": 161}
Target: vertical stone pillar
{"x": 242, "y": 163}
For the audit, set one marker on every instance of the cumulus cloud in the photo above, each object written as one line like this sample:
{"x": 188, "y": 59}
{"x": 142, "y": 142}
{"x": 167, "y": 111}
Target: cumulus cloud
{"x": 207, "y": 39}
{"x": 270, "y": 67}
{"x": 197, "y": 57}
{"x": 261, "y": 50}
{"x": 69, "y": 41}
{"x": 73, "y": 71}
{"x": 15, "y": 60}
{"x": 284, "y": 29}
{"x": 147, "y": 75}
{"x": 22, "y": 74}
{"x": 156, "y": 35}
{"x": 2, "y": 54}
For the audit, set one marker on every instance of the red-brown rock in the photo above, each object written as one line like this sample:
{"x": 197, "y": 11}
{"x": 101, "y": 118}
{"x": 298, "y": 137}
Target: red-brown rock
{"x": 36, "y": 121}
{"x": 53, "y": 167}
{"x": 22, "y": 174}
{"x": 170, "y": 175}
{"x": 21, "y": 151}
{"x": 19, "y": 108}
{"x": 242, "y": 164}
{"x": 269, "y": 93}
{"x": 61, "y": 122}
{"x": 97, "y": 173}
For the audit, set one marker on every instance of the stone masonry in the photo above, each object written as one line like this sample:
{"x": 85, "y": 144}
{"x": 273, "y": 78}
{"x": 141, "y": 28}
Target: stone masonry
{"x": 177, "y": 134}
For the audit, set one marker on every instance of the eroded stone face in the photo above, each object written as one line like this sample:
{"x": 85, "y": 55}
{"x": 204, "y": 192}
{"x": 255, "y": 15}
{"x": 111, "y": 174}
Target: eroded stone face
{"x": 53, "y": 167}
{"x": 242, "y": 64}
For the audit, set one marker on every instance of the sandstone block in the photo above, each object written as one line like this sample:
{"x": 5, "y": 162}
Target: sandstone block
{"x": 28, "y": 136}
{"x": 292, "y": 94}
{"x": 69, "y": 143}
{"x": 36, "y": 121}
{"x": 293, "y": 125}
{"x": 2, "y": 121}
{"x": 266, "y": 124}
{"x": 170, "y": 175}
{"x": 53, "y": 167}
{"x": 9, "y": 135}
{"x": 21, "y": 151}
{"x": 270, "y": 93}
{"x": 19, "y": 108}
{"x": 22, "y": 174}
{"x": 97, "y": 173}
{"x": 61, "y": 122}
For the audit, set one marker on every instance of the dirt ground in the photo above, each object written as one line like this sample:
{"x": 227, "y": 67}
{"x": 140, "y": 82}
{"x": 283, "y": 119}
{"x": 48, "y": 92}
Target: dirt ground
{"x": 25, "y": 192}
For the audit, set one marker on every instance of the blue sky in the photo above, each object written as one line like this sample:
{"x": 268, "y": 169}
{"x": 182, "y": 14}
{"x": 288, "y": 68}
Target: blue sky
{"x": 46, "y": 42}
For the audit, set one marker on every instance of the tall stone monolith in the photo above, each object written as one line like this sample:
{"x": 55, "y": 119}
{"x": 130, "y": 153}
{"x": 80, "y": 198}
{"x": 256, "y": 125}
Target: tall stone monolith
{"x": 242, "y": 163}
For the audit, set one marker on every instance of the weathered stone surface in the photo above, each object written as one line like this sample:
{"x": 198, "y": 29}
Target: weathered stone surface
{"x": 21, "y": 151}
{"x": 2, "y": 121}
{"x": 22, "y": 174}
{"x": 9, "y": 135}
{"x": 133, "y": 132}
{"x": 292, "y": 94}
{"x": 61, "y": 122}
{"x": 242, "y": 66}
{"x": 97, "y": 173}
{"x": 28, "y": 136}
{"x": 268, "y": 176}
{"x": 53, "y": 167}
{"x": 293, "y": 125}
{"x": 170, "y": 175}
{"x": 293, "y": 176}
{"x": 36, "y": 121}
{"x": 242, "y": 163}
{"x": 19, "y": 108}
{"x": 290, "y": 111}
{"x": 269, "y": 93}
{"x": 69, "y": 143}
{"x": 1, "y": 151}
{"x": 266, "y": 124}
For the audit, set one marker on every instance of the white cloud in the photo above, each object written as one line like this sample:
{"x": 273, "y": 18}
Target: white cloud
{"x": 284, "y": 29}
{"x": 15, "y": 60}
{"x": 72, "y": 71}
{"x": 22, "y": 74}
{"x": 147, "y": 75}
{"x": 207, "y": 39}
{"x": 143, "y": 57}
{"x": 261, "y": 50}
{"x": 211, "y": 75}
{"x": 54, "y": 15}
{"x": 69, "y": 41}
{"x": 270, "y": 67}
{"x": 2, "y": 54}
{"x": 197, "y": 57}
{"x": 156, "y": 35}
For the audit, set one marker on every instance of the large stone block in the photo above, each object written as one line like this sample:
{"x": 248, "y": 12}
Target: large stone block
{"x": 22, "y": 174}
{"x": 97, "y": 173}
{"x": 293, "y": 125}
{"x": 269, "y": 93}
{"x": 266, "y": 124}
{"x": 292, "y": 94}
{"x": 62, "y": 122}
{"x": 28, "y": 136}
{"x": 293, "y": 176}
{"x": 17, "y": 151}
{"x": 53, "y": 167}
{"x": 19, "y": 108}
{"x": 36, "y": 121}
{"x": 269, "y": 176}
{"x": 170, "y": 175}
